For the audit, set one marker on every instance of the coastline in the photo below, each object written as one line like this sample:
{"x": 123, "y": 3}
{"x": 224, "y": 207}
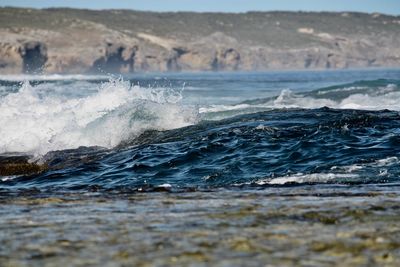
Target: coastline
{"x": 125, "y": 41}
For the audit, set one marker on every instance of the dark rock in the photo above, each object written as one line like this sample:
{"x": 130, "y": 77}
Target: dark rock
{"x": 34, "y": 56}
{"x": 118, "y": 58}
{"x": 226, "y": 59}
{"x": 18, "y": 164}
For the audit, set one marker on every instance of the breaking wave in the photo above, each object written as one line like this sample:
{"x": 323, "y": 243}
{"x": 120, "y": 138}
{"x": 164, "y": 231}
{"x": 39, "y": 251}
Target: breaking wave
{"x": 365, "y": 95}
{"x": 36, "y": 122}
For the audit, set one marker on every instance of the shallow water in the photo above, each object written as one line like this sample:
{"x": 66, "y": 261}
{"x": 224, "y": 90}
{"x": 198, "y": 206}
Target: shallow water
{"x": 243, "y": 161}
{"x": 300, "y": 226}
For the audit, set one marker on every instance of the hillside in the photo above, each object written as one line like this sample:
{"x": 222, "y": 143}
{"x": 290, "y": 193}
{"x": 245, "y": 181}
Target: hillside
{"x": 81, "y": 41}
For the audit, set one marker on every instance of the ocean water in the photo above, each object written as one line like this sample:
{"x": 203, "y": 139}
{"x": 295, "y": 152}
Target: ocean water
{"x": 199, "y": 131}
{"x": 201, "y": 169}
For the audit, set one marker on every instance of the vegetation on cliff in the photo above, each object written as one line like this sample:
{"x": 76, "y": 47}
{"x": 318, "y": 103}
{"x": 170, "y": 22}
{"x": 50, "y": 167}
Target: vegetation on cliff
{"x": 76, "y": 41}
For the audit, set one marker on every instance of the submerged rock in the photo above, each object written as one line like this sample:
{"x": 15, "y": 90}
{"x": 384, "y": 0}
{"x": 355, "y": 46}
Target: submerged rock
{"x": 19, "y": 165}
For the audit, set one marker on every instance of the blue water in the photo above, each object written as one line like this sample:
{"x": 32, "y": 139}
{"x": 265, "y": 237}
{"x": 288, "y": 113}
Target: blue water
{"x": 202, "y": 130}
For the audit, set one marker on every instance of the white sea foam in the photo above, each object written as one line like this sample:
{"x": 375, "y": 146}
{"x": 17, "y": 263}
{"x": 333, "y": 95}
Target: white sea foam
{"x": 385, "y": 162}
{"x": 306, "y": 178}
{"x": 383, "y": 98}
{"x": 387, "y": 97}
{"x": 8, "y": 178}
{"x": 37, "y": 123}
{"x": 336, "y": 173}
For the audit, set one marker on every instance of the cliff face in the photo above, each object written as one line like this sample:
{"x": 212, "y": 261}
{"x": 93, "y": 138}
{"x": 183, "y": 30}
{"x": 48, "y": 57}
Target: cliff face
{"x": 84, "y": 41}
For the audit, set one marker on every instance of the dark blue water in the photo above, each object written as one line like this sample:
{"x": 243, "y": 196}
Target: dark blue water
{"x": 204, "y": 131}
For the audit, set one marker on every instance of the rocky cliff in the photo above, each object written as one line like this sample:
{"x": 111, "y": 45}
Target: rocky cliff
{"x": 112, "y": 41}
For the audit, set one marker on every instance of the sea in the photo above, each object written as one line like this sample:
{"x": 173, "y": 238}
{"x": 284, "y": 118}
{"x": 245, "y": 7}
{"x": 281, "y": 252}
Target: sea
{"x": 201, "y": 130}
{"x": 251, "y": 157}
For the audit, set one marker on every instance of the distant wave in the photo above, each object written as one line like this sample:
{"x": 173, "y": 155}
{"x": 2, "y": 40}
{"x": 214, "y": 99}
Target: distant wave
{"x": 363, "y": 95}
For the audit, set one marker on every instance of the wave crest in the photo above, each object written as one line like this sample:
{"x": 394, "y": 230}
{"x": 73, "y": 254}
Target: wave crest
{"x": 36, "y": 123}
{"x": 373, "y": 95}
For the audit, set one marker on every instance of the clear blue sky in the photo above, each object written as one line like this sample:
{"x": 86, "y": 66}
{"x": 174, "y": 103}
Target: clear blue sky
{"x": 382, "y": 6}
